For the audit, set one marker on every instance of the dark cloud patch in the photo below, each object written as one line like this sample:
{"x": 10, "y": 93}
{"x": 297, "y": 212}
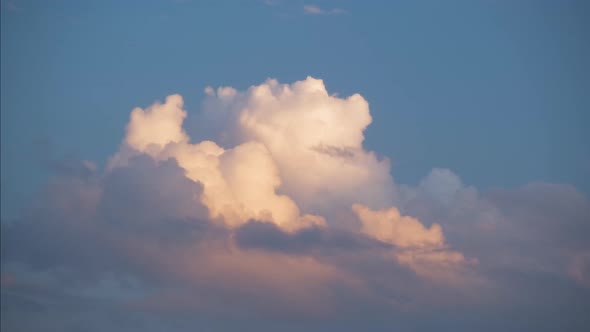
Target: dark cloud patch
{"x": 530, "y": 242}
{"x": 70, "y": 165}
{"x": 334, "y": 151}
{"x": 55, "y": 230}
{"x": 267, "y": 236}
{"x": 146, "y": 197}
{"x": 32, "y": 308}
{"x": 83, "y": 223}
{"x": 389, "y": 283}
{"x": 556, "y": 216}
{"x": 84, "y": 236}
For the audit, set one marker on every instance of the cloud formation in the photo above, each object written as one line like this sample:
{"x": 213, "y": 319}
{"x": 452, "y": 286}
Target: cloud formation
{"x": 296, "y": 137}
{"x": 287, "y": 216}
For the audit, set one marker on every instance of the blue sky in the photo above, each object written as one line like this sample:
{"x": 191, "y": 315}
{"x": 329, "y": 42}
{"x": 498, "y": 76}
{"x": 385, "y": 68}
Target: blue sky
{"x": 486, "y": 102}
{"x": 505, "y": 83}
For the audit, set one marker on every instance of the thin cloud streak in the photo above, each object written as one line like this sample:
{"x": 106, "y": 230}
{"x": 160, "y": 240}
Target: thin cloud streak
{"x": 315, "y": 10}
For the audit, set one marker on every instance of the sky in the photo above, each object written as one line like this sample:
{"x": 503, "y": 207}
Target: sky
{"x": 284, "y": 165}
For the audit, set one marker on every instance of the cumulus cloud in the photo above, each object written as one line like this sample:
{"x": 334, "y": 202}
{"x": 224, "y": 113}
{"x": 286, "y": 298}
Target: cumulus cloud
{"x": 294, "y": 137}
{"x": 157, "y": 126}
{"x": 403, "y": 231}
{"x": 315, "y": 140}
{"x": 239, "y": 183}
{"x": 280, "y": 211}
{"x": 421, "y": 248}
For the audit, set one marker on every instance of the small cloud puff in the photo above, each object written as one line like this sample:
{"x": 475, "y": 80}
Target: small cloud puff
{"x": 315, "y": 10}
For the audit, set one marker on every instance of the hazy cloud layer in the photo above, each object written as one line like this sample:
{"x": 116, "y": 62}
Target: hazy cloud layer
{"x": 286, "y": 221}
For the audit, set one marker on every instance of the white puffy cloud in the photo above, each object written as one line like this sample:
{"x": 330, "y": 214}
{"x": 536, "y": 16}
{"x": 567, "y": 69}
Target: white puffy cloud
{"x": 421, "y": 248}
{"x": 239, "y": 183}
{"x": 297, "y": 157}
{"x": 315, "y": 139}
{"x": 296, "y": 139}
{"x": 158, "y": 125}
{"x": 402, "y": 231}
{"x": 299, "y": 140}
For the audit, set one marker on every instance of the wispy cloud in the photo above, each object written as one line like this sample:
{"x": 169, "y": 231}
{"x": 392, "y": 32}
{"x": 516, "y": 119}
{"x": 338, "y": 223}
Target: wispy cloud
{"x": 315, "y": 10}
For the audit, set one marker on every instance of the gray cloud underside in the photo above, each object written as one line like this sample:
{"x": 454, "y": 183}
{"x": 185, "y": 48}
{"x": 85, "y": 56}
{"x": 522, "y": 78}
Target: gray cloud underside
{"x": 124, "y": 232}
